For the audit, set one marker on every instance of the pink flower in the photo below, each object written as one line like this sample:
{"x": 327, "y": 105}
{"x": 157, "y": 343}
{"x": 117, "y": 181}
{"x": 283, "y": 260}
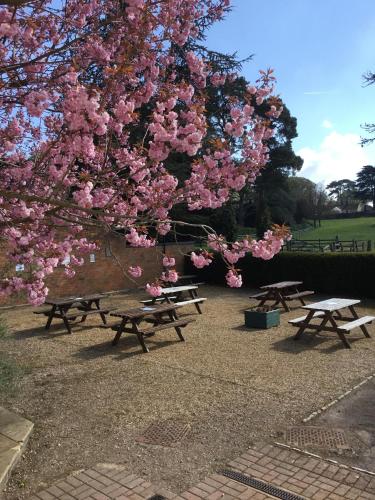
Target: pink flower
{"x": 69, "y": 272}
{"x": 36, "y": 102}
{"x": 135, "y": 271}
{"x": 231, "y": 256}
{"x": 169, "y": 261}
{"x": 217, "y": 243}
{"x": 234, "y": 280}
{"x": 200, "y": 261}
{"x": 170, "y": 276}
{"x": 139, "y": 240}
{"x": 154, "y": 289}
{"x": 218, "y": 79}
{"x": 163, "y": 228}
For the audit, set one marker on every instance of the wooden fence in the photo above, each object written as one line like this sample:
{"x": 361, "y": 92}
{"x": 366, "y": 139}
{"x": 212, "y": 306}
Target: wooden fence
{"x": 333, "y": 245}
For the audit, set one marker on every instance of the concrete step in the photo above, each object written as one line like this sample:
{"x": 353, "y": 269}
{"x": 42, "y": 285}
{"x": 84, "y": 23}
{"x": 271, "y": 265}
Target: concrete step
{"x": 14, "y": 433}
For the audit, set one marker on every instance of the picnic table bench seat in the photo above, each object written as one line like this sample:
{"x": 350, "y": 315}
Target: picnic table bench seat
{"x": 158, "y": 299}
{"x": 298, "y": 295}
{"x": 179, "y": 295}
{"x": 163, "y": 326}
{"x": 257, "y": 295}
{"x": 83, "y": 312}
{"x": 346, "y": 327}
{"x": 44, "y": 311}
{"x": 149, "y": 332}
{"x": 191, "y": 301}
{"x": 302, "y": 318}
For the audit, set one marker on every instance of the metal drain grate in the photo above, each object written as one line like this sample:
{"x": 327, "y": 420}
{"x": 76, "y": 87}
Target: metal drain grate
{"x": 316, "y": 436}
{"x": 267, "y": 488}
{"x": 165, "y": 433}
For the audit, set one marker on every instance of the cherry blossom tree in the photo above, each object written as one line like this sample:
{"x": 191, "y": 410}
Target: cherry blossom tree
{"x": 76, "y": 78}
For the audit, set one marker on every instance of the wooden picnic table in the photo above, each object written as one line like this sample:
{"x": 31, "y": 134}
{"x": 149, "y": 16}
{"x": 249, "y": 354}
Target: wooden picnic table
{"x": 329, "y": 311}
{"x": 162, "y": 316}
{"x": 70, "y": 308}
{"x": 175, "y": 294}
{"x": 282, "y": 292}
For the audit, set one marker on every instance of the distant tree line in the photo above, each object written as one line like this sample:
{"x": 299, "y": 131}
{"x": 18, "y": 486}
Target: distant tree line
{"x": 347, "y": 193}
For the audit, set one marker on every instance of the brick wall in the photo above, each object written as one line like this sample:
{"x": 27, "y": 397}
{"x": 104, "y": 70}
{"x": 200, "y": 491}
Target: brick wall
{"x": 105, "y": 273}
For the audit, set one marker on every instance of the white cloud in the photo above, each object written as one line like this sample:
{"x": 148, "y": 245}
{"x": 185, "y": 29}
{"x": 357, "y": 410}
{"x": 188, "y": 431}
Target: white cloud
{"x": 327, "y": 124}
{"x": 339, "y": 156}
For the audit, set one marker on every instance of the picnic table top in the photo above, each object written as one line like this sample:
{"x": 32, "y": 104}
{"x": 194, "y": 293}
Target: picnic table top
{"x": 331, "y": 304}
{"x": 282, "y": 284}
{"x": 76, "y": 298}
{"x": 139, "y": 312}
{"x": 175, "y": 289}
{"x": 188, "y": 276}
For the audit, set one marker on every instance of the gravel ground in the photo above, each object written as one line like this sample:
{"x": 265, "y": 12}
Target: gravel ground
{"x": 234, "y": 386}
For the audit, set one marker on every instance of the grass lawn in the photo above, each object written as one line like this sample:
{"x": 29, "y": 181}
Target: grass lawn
{"x": 362, "y": 228}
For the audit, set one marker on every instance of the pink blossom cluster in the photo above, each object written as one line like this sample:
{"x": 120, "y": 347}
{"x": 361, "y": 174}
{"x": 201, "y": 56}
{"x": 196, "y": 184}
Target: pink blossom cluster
{"x": 265, "y": 249}
{"x": 201, "y": 260}
{"x": 169, "y": 261}
{"x": 139, "y": 240}
{"x": 76, "y": 78}
{"x": 135, "y": 271}
{"x": 154, "y": 289}
{"x": 268, "y": 247}
{"x": 218, "y": 79}
{"x": 170, "y": 276}
{"x": 234, "y": 280}
{"x": 28, "y": 248}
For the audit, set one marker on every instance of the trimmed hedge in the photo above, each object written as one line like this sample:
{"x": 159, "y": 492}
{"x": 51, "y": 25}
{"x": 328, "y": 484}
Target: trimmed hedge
{"x": 350, "y": 274}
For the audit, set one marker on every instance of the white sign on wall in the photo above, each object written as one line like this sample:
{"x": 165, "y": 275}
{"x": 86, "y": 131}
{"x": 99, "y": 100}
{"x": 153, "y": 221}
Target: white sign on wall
{"x": 92, "y": 257}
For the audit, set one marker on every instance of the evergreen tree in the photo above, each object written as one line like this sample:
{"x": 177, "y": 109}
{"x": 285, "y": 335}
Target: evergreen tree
{"x": 366, "y": 184}
{"x": 344, "y": 192}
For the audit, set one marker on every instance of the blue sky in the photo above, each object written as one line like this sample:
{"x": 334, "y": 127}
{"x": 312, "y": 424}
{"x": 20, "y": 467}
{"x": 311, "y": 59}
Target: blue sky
{"x": 319, "y": 50}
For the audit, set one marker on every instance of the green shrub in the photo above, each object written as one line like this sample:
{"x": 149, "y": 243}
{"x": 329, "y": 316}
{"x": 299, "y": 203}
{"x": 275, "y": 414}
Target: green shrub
{"x": 349, "y": 274}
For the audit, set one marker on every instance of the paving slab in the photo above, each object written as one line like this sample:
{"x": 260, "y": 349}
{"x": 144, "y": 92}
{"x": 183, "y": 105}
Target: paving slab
{"x": 355, "y": 414}
{"x": 280, "y": 471}
{"x": 14, "y": 433}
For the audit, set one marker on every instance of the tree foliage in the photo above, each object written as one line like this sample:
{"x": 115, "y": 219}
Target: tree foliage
{"x": 98, "y": 100}
{"x": 369, "y": 79}
{"x": 344, "y": 192}
{"x": 365, "y": 184}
